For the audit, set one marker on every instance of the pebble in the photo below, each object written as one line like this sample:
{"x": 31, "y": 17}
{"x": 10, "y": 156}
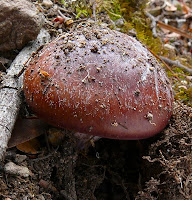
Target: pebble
{"x": 40, "y": 197}
{"x": 20, "y": 158}
{"x": 47, "y": 3}
{"x": 20, "y": 22}
{"x": 169, "y": 47}
{"x": 12, "y": 168}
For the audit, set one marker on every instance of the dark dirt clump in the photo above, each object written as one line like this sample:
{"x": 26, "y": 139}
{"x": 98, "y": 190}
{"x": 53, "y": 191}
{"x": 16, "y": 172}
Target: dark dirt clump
{"x": 170, "y": 159}
{"x": 156, "y": 168}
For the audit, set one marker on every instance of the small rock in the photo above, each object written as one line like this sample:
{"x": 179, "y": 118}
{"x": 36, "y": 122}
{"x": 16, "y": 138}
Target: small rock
{"x": 20, "y": 22}
{"x": 47, "y": 3}
{"x": 25, "y": 197}
{"x": 132, "y": 32}
{"x": 40, "y": 197}
{"x": 20, "y": 158}
{"x": 120, "y": 22}
{"x": 189, "y": 78}
{"x": 169, "y": 47}
{"x": 12, "y": 168}
{"x": 184, "y": 82}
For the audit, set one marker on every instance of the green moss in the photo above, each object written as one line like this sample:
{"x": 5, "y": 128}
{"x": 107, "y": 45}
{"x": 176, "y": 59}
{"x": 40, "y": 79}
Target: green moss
{"x": 144, "y": 34}
{"x": 184, "y": 95}
{"x": 133, "y": 13}
{"x": 82, "y": 9}
{"x": 136, "y": 20}
{"x": 62, "y": 1}
{"x": 113, "y": 8}
{"x": 130, "y": 6}
{"x": 81, "y": 12}
{"x": 181, "y": 87}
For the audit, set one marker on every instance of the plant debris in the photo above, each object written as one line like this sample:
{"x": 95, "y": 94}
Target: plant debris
{"x": 153, "y": 169}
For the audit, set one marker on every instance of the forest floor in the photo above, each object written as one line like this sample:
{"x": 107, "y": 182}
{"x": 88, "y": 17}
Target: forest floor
{"x": 157, "y": 168}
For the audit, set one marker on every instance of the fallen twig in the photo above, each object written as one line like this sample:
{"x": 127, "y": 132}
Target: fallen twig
{"x": 153, "y": 23}
{"x": 176, "y": 63}
{"x": 10, "y": 91}
{"x": 67, "y": 11}
{"x": 157, "y": 8}
{"x": 166, "y": 65}
{"x": 189, "y": 78}
{"x": 94, "y": 9}
{"x": 173, "y": 29}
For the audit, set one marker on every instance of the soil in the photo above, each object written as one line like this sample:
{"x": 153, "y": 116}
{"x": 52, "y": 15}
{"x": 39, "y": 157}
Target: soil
{"x": 157, "y": 168}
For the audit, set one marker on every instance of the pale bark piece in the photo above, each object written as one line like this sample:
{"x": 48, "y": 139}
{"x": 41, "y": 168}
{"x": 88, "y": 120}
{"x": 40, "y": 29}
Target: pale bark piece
{"x": 20, "y": 22}
{"x": 10, "y": 90}
{"x": 12, "y": 168}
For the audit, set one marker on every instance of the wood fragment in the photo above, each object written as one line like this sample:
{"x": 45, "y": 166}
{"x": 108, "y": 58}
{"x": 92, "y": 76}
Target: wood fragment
{"x": 173, "y": 29}
{"x": 94, "y": 9}
{"x": 154, "y": 21}
{"x": 166, "y": 65}
{"x": 177, "y": 64}
{"x": 10, "y": 90}
{"x": 67, "y": 11}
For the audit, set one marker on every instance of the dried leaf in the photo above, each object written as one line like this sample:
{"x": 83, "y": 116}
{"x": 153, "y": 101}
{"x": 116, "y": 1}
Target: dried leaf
{"x": 55, "y": 136}
{"x": 173, "y": 29}
{"x": 25, "y": 130}
{"x": 186, "y": 9}
{"x": 170, "y": 7}
{"x": 29, "y": 147}
{"x": 173, "y": 35}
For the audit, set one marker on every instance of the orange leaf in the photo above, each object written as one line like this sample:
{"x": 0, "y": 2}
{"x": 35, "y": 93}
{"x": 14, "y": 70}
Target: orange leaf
{"x": 185, "y": 9}
{"x": 29, "y": 147}
{"x": 25, "y": 130}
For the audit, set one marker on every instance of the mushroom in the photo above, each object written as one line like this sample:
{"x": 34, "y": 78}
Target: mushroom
{"x": 100, "y": 82}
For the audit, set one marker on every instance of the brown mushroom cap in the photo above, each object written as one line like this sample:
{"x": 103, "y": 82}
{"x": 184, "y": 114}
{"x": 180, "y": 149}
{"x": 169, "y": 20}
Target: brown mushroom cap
{"x": 100, "y": 82}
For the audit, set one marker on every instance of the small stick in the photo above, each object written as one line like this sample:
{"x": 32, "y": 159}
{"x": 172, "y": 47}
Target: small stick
{"x": 11, "y": 87}
{"x": 64, "y": 10}
{"x": 176, "y": 63}
{"x": 94, "y": 9}
{"x": 24, "y": 67}
{"x": 173, "y": 29}
{"x": 186, "y": 77}
{"x": 154, "y": 21}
